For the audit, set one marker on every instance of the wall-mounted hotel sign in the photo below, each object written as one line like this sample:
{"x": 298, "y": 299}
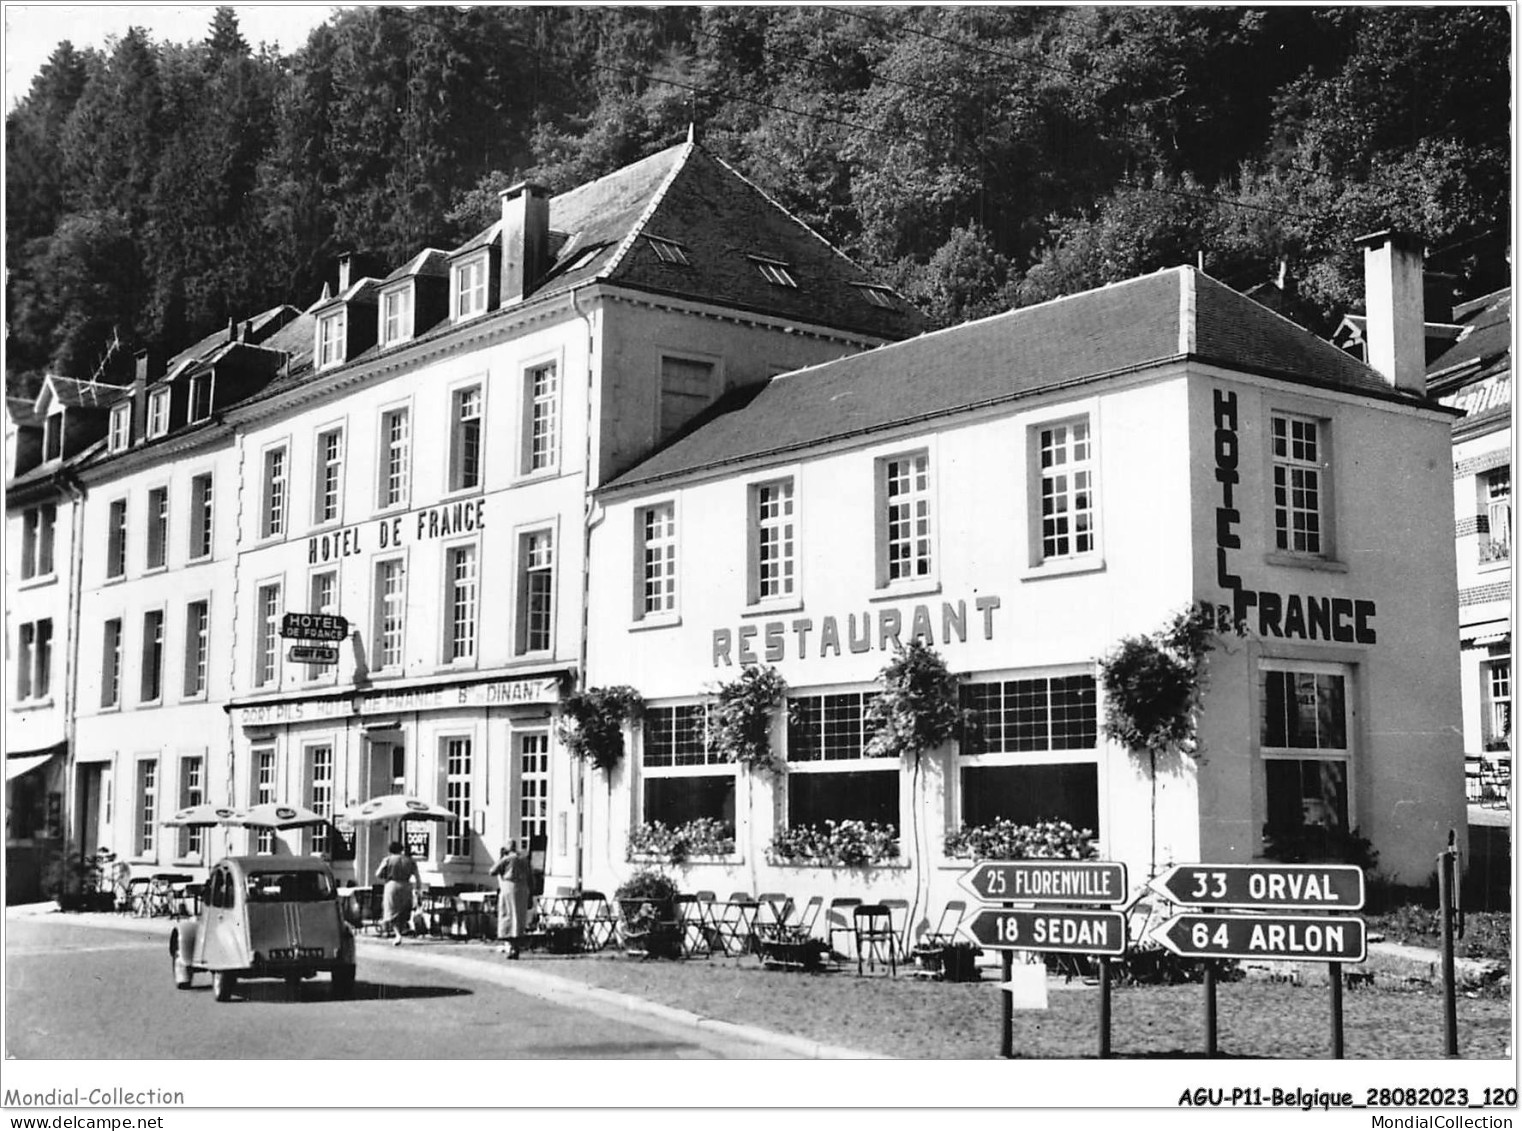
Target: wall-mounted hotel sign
{"x": 495, "y": 693}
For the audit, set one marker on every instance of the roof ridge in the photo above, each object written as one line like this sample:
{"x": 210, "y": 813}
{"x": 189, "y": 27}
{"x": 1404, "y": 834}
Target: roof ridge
{"x": 1011, "y": 313}
{"x": 637, "y": 228}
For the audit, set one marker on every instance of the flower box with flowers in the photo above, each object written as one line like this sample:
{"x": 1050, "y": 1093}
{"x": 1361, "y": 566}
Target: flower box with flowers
{"x": 835, "y": 844}
{"x": 703, "y": 840}
{"x": 1007, "y": 840}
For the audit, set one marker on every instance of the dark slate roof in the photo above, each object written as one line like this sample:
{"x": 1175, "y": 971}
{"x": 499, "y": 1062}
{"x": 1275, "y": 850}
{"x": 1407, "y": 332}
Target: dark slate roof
{"x": 1136, "y": 324}
{"x": 86, "y": 394}
{"x": 1485, "y": 341}
{"x": 688, "y": 196}
{"x": 23, "y": 412}
{"x": 430, "y": 261}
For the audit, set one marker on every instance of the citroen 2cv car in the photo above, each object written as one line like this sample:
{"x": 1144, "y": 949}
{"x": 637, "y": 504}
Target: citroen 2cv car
{"x": 266, "y": 917}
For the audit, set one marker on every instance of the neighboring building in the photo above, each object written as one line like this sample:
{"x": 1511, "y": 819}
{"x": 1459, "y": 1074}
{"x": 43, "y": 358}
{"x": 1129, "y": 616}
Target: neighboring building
{"x": 416, "y": 454}
{"x": 155, "y": 598}
{"x": 1474, "y": 375}
{"x": 45, "y": 441}
{"x": 1023, "y": 492}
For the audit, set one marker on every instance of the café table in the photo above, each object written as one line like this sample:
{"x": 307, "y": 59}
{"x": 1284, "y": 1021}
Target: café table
{"x": 735, "y": 925}
{"x": 476, "y": 910}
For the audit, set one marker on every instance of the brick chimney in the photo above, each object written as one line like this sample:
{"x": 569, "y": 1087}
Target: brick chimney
{"x": 525, "y": 239}
{"x": 1396, "y": 333}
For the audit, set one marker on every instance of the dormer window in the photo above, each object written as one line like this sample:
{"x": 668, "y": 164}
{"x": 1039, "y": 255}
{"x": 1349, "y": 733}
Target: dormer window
{"x": 200, "y": 397}
{"x": 877, "y": 296}
{"x": 774, "y": 271}
{"x": 331, "y": 331}
{"x": 470, "y": 287}
{"x": 52, "y": 436}
{"x": 158, "y": 413}
{"x": 121, "y": 427}
{"x": 668, "y": 251}
{"x": 396, "y": 315}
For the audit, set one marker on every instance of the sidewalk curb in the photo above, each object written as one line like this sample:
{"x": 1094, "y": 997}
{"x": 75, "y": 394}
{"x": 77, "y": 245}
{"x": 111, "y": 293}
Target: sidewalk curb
{"x": 536, "y": 983}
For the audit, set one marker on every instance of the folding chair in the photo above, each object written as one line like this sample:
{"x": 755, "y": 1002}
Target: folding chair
{"x": 802, "y": 926}
{"x": 598, "y": 918}
{"x": 837, "y": 920}
{"x": 898, "y": 910}
{"x": 696, "y": 937}
{"x": 872, "y": 924}
{"x": 945, "y": 932}
{"x": 773, "y": 912}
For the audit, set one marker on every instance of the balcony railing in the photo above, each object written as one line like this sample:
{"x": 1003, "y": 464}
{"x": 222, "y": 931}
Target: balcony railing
{"x": 1492, "y": 551}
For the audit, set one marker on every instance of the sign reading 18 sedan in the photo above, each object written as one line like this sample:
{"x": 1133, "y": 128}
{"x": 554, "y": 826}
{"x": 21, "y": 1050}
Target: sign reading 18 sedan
{"x": 1264, "y": 887}
{"x": 1065, "y": 931}
{"x": 1047, "y": 881}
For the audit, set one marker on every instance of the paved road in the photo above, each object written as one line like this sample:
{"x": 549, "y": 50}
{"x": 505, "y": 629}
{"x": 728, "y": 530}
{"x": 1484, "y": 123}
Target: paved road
{"x": 92, "y": 993}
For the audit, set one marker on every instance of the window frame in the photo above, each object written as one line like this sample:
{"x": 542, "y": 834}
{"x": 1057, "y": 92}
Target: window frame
{"x": 320, "y": 793}
{"x": 192, "y": 791}
{"x": 709, "y": 763}
{"x": 715, "y": 390}
{"x": 462, "y": 428}
{"x": 157, "y": 542}
{"x": 529, "y": 464}
{"x": 202, "y": 517}
{"x": 460, "y": 803}
{"x": 1345, "y": 755}
{"x": 274, "y": 491}
{"x": 112, "y": 654}
{"x": 156, "y": 417}
{"x": 200, "y": 396}
{"x": 1012, "y": 755}
{"x": 197, "y": 651}
{"x": 265, "y": 671}
{"x": 145, "y": 818}
{"x": 151, "y": 657}
{"x": 320, "y": 673}
{"x": 822, "y": 763}
{"x": 119, "y": 428}
{"x": 331, "y": 348}
{"x": 777, "y": 272}
{"x": 34, "y": 661}
{"x": 1494, "y": 490}
{"x": 52, "y": 436}
{"x": 391, "y": 450}
{"x": 116, "y": 539}
{"x": 669, "y": 575}
{"x": 262, "y": 757}
{"x": 532, "y": 811}
{"x": 883, "y": 521}
{"x": 380, "y": 615}
{"x": 405, "y": 320}
{"x": 479, "y": 290}
{"x": 523, "y": 572}
{"x": 450, "y": 654}
{"x": 789, "y": 558}
{"x": 1498, "y": 698}
{"x": 39, "y": 530}
{"x": 668, "y": 251}
{"x": 1325, "y": 468}
{"x": 328, "y": 475}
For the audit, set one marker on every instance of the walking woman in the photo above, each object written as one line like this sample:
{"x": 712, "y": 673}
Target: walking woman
{"x": 515, "y": 879}
{"x": 400, "y": 872}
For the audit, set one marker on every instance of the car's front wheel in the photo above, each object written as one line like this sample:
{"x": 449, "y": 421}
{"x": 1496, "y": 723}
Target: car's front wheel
{"x": 223, "y": 982}
{"x": 343, "y": 980}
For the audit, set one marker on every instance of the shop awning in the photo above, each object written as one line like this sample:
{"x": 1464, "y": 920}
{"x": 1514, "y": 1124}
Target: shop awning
{"x": 1486, "y": 639}
{"x": 25, "y": 761}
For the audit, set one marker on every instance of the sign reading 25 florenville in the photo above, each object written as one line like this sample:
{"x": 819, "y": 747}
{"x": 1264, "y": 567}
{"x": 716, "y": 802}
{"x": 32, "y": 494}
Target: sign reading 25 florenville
{"x": 1047, "y": 881}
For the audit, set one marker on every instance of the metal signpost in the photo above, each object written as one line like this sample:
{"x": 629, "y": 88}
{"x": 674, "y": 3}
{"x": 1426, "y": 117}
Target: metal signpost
{"x": 1265, "y": 888}
{"x": 1061, "y": 930}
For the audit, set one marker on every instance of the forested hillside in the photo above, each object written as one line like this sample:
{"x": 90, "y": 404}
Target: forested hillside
{"x": 978, "y": 158}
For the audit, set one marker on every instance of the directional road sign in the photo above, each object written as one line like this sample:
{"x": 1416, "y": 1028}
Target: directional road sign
{"x": 1293, "y": 938}
{"x": 314, "y": 626}
{"x": 1264, "y": 887}
{"x": 1047, "y": 881}
{"x": 1065, "y": 931}
{"x": 313, "y": 654}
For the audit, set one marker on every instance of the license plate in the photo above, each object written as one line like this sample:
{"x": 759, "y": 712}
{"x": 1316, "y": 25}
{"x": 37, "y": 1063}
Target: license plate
{"x": 288, "y": 952}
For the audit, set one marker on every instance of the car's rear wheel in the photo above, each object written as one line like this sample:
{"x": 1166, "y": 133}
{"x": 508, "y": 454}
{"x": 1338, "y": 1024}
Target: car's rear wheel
{"x": 223, "y": 982}
{"x": 343, "y": 980}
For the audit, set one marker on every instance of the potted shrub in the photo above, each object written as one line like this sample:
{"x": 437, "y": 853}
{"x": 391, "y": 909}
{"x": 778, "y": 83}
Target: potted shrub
{"x": 647, "y": 912}
{"x": 954, "y": 961}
